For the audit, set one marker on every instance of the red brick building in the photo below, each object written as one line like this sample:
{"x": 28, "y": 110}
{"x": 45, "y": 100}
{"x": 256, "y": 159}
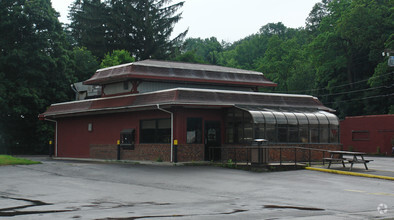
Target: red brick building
{"x": 150, "y": 106}
{"x": 372, "y": 134}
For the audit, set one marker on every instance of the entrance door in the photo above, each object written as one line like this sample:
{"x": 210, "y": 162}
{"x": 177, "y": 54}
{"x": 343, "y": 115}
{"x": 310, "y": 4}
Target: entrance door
{"x": 212, "y": 138}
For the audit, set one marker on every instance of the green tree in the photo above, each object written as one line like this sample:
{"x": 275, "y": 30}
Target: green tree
{"x": 142, "y": 27}
{"x": 347, "y": 50}
{"x": 82, "y": 64}
{"x": 206, "y": 50}
{"x": 88, "y": 25}
{"x": 117, "y": 57}
{"x": 33, "y": 61}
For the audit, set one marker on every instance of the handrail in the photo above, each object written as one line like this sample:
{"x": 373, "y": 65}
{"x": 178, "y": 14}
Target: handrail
{"x": 267, "y": 147}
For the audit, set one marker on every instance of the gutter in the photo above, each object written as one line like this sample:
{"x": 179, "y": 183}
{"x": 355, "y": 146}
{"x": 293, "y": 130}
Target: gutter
{"x": 172, "y": 129}
{"x": 46, "y": 119}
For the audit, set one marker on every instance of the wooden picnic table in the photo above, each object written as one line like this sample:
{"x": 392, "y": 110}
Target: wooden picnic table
{"x": 356, "y": 157}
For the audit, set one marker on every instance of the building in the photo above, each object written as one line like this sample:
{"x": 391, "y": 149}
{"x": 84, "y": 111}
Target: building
{"x": 151, "y": 106}
{"x": 373, "y": 134}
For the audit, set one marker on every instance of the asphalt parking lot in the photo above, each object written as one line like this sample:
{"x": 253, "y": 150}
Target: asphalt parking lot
{"x": 59, "y": 189}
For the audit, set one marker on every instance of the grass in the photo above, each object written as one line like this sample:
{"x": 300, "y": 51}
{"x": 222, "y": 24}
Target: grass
{"x": 9, "y": 160}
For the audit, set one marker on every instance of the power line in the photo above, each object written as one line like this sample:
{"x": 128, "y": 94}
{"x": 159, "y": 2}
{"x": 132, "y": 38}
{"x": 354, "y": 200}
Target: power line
{"x": 360, "y": 90}
{"x": 369, "y": 97}
{"x": 343, "y": 85}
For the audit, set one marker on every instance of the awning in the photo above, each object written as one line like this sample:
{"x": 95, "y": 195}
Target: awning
{"x": 290, "y": 116}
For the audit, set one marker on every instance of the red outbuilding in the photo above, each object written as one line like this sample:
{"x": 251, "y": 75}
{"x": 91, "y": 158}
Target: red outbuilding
{"x": 153, "y": 106}
{"x": 373, "y": 134}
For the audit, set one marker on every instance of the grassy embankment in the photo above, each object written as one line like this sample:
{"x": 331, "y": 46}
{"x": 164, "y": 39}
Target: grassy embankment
{"x": 9, "y": 160}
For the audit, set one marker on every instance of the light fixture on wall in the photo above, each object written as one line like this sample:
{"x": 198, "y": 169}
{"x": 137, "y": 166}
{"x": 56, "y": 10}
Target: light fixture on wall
{"x": 90, "y": 127}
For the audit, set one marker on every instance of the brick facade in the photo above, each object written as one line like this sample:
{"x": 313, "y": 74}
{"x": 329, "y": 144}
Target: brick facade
{"x": 149, "y": 152}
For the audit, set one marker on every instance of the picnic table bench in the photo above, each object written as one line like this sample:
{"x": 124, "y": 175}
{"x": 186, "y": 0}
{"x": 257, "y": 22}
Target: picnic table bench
{"x": 356, "y": 157}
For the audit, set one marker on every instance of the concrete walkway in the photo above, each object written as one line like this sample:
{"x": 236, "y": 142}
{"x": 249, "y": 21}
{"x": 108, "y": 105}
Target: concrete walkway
{"x": 380, "y": 167}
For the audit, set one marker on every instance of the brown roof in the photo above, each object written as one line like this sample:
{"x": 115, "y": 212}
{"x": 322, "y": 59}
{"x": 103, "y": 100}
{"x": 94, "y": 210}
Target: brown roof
{"x": 178, "y": 71}
{"x": 182, "y": 97}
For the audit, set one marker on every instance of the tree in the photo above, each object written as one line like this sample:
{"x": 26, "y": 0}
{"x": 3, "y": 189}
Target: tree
{"x": 347, "y": 49}
{"x": 88, "y": 25}
{"x": 142, "y": 27}
{"x": 117, "y": 57}
{"x": 154, "y": 24}
{"x": 206, "y": 50}
{"x": 82, "y": 64}
{"x": 33, "y": 75}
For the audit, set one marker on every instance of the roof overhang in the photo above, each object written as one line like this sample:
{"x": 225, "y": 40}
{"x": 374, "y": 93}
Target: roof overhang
{"x": 192, "y": 98}
{"x": 153, "y": 70}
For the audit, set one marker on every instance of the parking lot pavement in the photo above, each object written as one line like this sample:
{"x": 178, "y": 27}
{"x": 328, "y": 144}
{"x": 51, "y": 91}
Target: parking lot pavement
{"x": 89, "y": 190}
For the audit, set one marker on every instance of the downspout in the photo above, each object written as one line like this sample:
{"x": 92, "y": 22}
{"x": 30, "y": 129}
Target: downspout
{"x": 172, "y": 129}
{"x": 46, "y": 119}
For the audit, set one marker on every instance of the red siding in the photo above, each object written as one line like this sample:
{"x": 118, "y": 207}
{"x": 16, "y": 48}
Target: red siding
{"x": 74, "y": 139}
{"x": 368, "y": 133}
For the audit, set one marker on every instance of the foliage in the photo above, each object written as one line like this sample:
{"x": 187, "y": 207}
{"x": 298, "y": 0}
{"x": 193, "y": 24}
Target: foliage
{"x": 336, "y": 57}
{"x": 33, "y": 71}
{"x": 9, "y": 160}
{"x": 82, "y": 64}
{"x": 117, "y": 57}
{"x": 142, "y": 27}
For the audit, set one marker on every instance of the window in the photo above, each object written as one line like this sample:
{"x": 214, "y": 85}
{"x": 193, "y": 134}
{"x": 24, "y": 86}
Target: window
{"x": 334, "y": 137}
{"x": 282, "y": 133}
{"x": 126, "y": 85}
{"x": 360, "y": 135}
{"x": 324, "y": 133}
{"x": 194, "y": 130}
{"x": 282, "y": 126}
{"x": 314, "y": 133}
{"x": 293, "y": 134}
{"x": 259, "y": 131}
{"x": 156, "y": 131}
{"x": 127, "y": 138}
{"x": 304, "y": 134}
{"x": 271, "y": 132}
{"x": 239, "y": 127}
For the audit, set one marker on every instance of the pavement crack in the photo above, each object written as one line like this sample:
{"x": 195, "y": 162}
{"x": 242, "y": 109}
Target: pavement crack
{"x": 292, "y": 207}
{"x": 14, "y": 211}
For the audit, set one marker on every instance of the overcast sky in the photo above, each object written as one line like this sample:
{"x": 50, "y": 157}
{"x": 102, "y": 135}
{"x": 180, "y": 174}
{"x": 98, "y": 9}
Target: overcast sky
{"x": 228, "y": 20}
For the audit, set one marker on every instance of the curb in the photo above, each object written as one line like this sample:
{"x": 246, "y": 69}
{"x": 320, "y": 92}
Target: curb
{"x": 118, "y": 161}
{"x": 350, "y": 173}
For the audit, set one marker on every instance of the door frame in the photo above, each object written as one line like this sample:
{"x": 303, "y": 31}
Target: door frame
{"x": 216, "y": 153}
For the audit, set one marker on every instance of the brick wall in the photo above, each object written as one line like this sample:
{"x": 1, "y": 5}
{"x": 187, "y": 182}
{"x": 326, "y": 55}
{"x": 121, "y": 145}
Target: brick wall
{"x": 103, "y": 151}
{"x": 149, "y": 152}
{"x": 152, "y": 152}
{"x": 190, "y": 152}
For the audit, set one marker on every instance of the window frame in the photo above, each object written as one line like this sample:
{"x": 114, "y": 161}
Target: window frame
{"x": 157, "y": 132}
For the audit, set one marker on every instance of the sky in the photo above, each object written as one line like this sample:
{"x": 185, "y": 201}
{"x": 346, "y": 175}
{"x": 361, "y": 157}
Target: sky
{"x": 228, "y": 20}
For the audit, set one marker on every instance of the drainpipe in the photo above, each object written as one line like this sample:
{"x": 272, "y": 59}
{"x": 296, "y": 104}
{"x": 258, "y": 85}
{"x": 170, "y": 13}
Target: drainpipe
{"x": 46, "y": 119}
{"x": 172, "y": 129}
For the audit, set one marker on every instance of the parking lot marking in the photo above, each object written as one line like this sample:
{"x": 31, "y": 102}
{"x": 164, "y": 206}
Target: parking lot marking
{"x": 370, "y": 193}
